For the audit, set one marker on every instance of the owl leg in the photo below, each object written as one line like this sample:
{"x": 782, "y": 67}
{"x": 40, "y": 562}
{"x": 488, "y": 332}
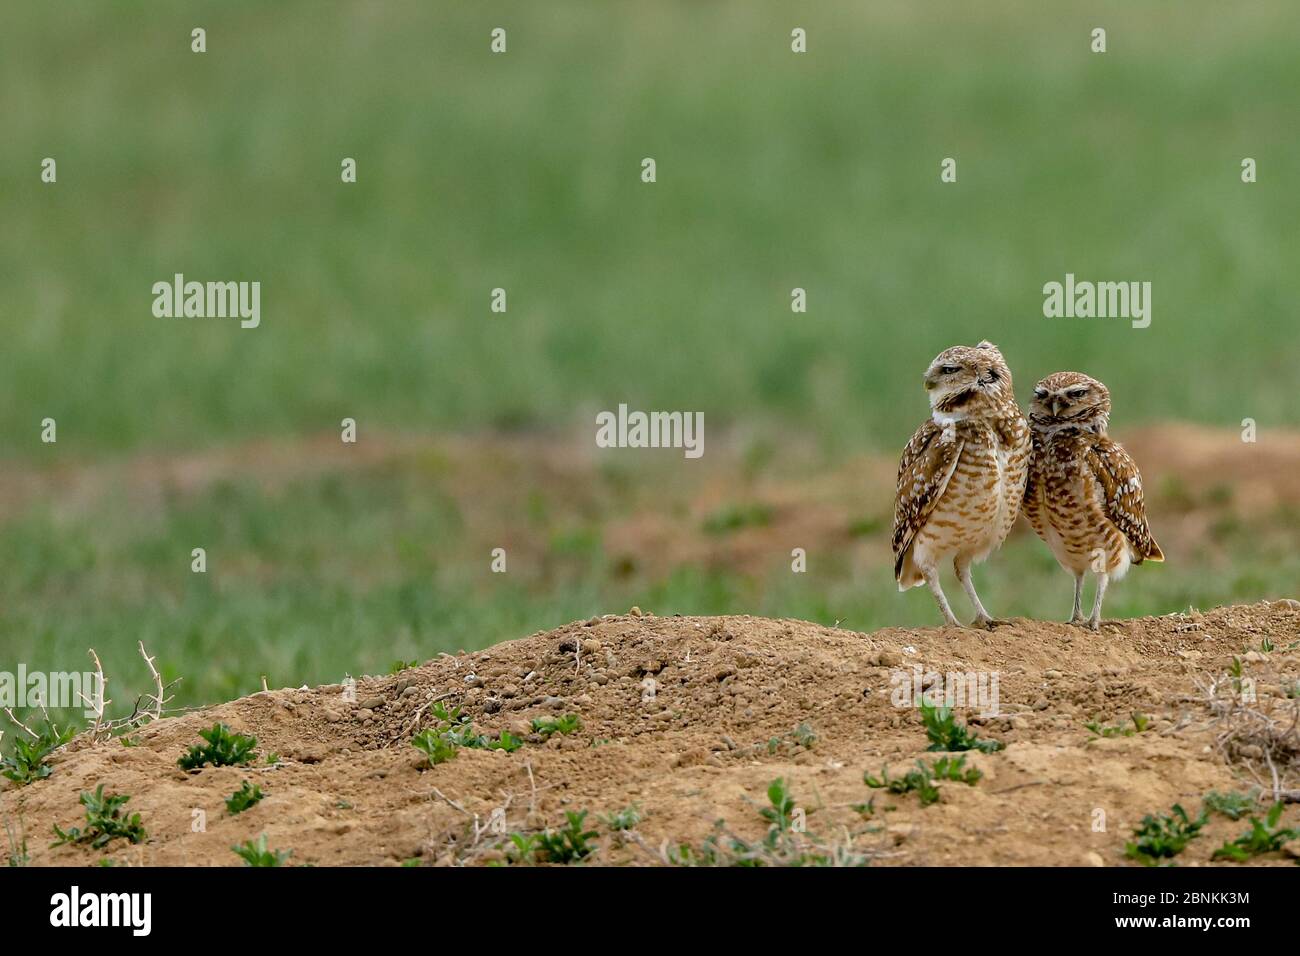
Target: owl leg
{"x": 1094, "y": 622}
{"x": 982, "y": 617}
{"x": 1077, "y": 617}
{"x": 932, "y": 579}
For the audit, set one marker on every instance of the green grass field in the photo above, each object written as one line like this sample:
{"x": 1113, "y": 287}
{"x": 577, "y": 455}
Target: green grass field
{"x": 521, "y": 171}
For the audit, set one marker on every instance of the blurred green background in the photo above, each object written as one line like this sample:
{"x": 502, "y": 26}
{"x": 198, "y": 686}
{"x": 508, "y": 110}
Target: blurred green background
{"x": 521, "y": 171}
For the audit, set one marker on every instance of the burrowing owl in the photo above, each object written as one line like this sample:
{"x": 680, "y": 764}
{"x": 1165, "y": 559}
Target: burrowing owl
{"x": 1084, "y": 496}
{"x": 962, "y": 475}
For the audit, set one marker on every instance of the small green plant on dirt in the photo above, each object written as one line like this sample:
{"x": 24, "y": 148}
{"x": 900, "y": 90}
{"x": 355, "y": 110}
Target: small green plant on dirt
{"x": 27, "y": 763}
{"x": 435, "y": 745}
{"x": 921, "y": 780}
{"x": 451, "y": 731}
{"x": 521, "y": 849}
{"x": 460, "y": 731}
{"x": 1237, "y": 671}
{"x": 1164, "y": 836}
{"x": 17, "y": 839}
{"x": 1266, "y": 645}
{"x": 105, "y": 821}
{"x": 780, "y": 812}
{"x": 802, "y": 736}
{"x": 954, "y": 768}
{"x": 455, "y": 730}
{"x": 865, "y": 810}
{"x": 569, "y": 844}
{"x": 398, "y": 666}
{"x": 448, "y": 715}
{"x": 221, "y": 748}
{"x": 918, "y": 781}
{"x": 257, "y": 854}
{"x": 710, "y": 852}
{"x": 786, "y": 842}
{"x": 546, "y": 726}
{"x": 1264, "y": 836}
{"x": 506, "y": 741}
{"x": 1234, "y": 806}
{"x": 246, "y": 796}
{"x": 455, "y": 725}
{"x": 946, "y": 734}
{"x": 623, "y": 820}
{"x": 1141, "y": 723}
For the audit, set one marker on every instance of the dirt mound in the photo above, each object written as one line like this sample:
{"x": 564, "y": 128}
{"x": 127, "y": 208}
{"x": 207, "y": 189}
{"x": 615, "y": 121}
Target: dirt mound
{"x": 690, "y": 718}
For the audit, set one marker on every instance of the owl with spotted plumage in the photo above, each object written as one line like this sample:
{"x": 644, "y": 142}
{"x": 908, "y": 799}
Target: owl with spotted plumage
{"x": 1084, "y": 495}
{"x": 962, "y": 476}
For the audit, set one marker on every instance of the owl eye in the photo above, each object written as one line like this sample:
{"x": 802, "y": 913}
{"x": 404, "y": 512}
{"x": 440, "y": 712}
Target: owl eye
{"x": 1077, "y": 393}
{"x": 949, "y": 370}
{"x": 1040, "y": 393}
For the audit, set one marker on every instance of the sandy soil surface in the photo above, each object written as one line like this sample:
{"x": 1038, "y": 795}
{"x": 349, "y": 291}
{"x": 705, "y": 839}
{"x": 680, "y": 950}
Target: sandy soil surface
{"x": 690, "y": 719}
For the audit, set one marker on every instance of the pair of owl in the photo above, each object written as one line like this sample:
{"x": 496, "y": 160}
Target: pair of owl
{"x": 976, "y": 463}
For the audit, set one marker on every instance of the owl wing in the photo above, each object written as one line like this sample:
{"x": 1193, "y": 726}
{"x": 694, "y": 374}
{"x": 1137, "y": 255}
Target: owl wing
{"x": 1122, "y": 500}
{"x": 928, "y": 462}
{"x": 1031, "y": 504}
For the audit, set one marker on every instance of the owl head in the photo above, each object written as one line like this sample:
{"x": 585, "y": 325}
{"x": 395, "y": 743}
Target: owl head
{"x": 966, "y": 382}
{"x": 1070, "y": 399}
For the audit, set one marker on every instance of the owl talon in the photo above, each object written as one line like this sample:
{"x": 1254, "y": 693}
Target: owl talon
{"x": 986, "y": 623}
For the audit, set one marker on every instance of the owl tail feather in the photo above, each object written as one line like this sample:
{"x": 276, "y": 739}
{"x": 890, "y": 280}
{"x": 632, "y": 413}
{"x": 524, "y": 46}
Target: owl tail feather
{"x": 905, "y": 571}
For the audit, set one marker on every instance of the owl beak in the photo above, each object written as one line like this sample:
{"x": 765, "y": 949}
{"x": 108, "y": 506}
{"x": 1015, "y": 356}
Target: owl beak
{"x": 1056, "y": 407}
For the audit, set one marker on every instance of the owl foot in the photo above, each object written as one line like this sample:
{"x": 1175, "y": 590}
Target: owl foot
{"x": 986, "y": 623}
